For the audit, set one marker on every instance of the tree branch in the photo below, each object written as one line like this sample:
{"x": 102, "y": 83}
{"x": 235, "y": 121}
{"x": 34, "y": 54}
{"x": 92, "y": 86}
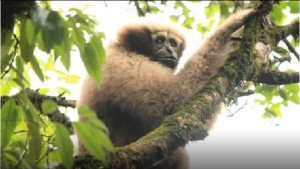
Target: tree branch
{"x": 278, "y": 33}
{"x": 291, "y": 29}
{"x": 278, "y": 78}
{"x": 36, "y": 99}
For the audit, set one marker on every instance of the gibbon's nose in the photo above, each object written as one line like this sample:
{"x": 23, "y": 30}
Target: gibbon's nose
{"x": 169, "y": 49}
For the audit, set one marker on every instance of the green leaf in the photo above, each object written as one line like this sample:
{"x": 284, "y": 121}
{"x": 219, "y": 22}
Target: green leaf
{"x": 212, "y": 9}
{"x": 98, "y": 46}
{"x": 178, "y": 4}
{"x": 274, "y": 110}
{"x": 55, "y": 26}
{"x": 292, "y": 91}
{"x": 44, "y": 90}
{"x": 282, "y": 51}
{"x": 66, "y": 57}
{"x": 20, "y": 64}
{"x": 49, "y": 106}
{"x": 5, "y": 88}
{"x": 47, "y": 40}
{"x": 63, "y": 50}
{"x": 63, "y": 47}
{"x": 153, "y": 9}
{"x": 64, "y": 145}
{"x": 6, "y": 42}
{"x": 188, "y": 22}
{"x": 71, "y": 78}
{"x": 91, "y": 127}
{"x": 6, "y": 47}
{"x": 85, "y": 132}
{"x": 29, "y": 30}
{"x": 174, "y": 18}
{"x": 26, "y": 48}
{"x": 90, "y": 117}
{"x": 55, "y": 156}
{"x": 92, "y": 58}
{"x": 282, "y": 94}
{"x": 53, "y": 31}
{"x": 78, "y": 38}
{"x": 36, "y": 68}
{"x": 5, "y": 60}
{"x": 294, "y": 6}
{"x": 224, "y": 9}
{"x": 40, "y": 41}
{"x": 81, "y": 18}
{"x": 34, "y": 137}
{"x": 50, "y": 64}
{"x": 276, "y": 14}
{"x": 9, "y": 116}
{"x": 268, "y": 91}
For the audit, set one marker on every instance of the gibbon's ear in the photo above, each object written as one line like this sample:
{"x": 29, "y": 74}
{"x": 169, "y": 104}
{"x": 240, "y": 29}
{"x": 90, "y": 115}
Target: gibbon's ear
{"x": 136, "y": 38}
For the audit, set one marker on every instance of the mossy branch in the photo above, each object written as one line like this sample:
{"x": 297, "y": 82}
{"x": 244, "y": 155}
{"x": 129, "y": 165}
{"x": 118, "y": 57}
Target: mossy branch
{"x": 273, "y": 34}
{"x": 36, "y": 99}
{"x": 281, "y": 32}
{"x": 278, "y": 78}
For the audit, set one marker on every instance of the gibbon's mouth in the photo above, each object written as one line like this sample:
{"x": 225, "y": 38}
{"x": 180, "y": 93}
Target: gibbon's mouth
{"x": 169, "y": 61}
{"x": 168, "y": 58}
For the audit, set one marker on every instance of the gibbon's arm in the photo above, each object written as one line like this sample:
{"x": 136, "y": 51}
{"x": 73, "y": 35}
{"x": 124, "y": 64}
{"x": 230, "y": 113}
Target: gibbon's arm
{"x": 213, "y": 53}
{"x": 206, "y": 61}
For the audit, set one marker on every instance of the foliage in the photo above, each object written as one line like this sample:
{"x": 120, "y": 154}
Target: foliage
{"x": 40, "y": 41}
{"x": 89, "y": 128}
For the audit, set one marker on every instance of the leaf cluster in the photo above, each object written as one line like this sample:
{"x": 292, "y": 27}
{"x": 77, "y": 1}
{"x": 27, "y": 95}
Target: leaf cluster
{"x": 38, "y": 41}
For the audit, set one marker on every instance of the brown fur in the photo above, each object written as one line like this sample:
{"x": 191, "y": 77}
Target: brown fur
{"x": 136, "y": 94}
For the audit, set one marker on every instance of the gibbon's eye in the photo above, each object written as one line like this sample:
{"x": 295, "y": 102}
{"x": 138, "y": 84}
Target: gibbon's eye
{"x": 159, "y": 41}
{"x": 173, "y": 43}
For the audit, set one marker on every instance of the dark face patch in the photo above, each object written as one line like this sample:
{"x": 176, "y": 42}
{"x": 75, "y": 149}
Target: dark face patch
{"x": 167, "y": 48}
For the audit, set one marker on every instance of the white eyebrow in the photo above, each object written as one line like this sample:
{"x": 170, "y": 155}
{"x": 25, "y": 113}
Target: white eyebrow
{"x": 178, "y": 40}
{"x": 162, "y": 33}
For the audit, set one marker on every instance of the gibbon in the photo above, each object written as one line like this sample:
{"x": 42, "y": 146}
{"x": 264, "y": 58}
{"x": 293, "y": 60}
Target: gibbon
{"x": 139, "y": 87}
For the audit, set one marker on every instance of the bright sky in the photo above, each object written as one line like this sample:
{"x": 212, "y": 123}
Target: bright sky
{"x": 245, "y": 137}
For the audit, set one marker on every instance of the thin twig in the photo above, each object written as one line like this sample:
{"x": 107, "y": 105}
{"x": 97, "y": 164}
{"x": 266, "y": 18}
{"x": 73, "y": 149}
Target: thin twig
{"x": 20, "y": 131}
{"x": 105, "y": 3}
{"x": 22, "y": 154}
{"x": 291, "y": 48}
{"x": 14, "y": 55}
{"x": 239, "y": 109}
{"x": 138, "y": 9}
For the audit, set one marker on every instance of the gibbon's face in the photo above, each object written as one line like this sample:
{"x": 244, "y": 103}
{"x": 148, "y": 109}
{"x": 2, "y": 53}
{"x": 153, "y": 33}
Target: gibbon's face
{"x": 166, "y": 48}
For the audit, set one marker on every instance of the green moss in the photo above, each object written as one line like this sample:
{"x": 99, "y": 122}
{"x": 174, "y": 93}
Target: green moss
{"x": 86, "y": 162}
